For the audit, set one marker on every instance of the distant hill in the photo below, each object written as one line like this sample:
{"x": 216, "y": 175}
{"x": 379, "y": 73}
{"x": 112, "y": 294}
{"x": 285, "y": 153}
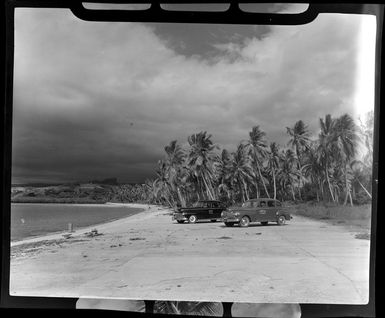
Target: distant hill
{"x": 95, "y": 191}
{"x": 36, "y": 184}
{"x": 112, "y": 181}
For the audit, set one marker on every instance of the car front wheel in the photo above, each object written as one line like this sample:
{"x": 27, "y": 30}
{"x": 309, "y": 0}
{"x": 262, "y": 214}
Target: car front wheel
{"x": 244, "y": 222}
{"x": 281, "y": 220}
{"x": 192, "y": 219}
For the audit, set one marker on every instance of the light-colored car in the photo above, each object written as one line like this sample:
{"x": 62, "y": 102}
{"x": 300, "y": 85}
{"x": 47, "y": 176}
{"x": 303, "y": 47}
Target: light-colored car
{"x": 256, "y": 210}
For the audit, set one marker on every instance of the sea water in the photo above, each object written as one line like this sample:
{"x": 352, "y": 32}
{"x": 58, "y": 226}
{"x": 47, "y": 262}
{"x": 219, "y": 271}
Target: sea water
{"x": 35, "y": 219}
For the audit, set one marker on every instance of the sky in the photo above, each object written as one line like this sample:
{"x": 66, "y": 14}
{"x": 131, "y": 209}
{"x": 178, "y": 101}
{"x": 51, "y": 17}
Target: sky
{"x": 95, "y": 100}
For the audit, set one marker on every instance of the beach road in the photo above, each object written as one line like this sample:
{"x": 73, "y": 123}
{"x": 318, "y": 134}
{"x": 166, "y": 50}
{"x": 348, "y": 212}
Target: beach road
{"x": 147, "y": 256}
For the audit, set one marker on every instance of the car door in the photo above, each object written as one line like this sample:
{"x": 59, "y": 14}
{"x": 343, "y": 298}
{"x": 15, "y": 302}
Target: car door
{"x": 216, "y": 210}
{"x": 270, "y": 211}
{"x": 210, "y": 211}
{"x": 278, "y": 208}
{"x": 261, "y": 210}
{"x": 252, "y": 208}
{"x": 196, "y": 210}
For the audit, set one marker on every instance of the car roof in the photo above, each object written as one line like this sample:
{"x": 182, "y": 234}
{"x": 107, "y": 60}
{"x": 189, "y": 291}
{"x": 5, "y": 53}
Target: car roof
{"x": 209, "y": 201}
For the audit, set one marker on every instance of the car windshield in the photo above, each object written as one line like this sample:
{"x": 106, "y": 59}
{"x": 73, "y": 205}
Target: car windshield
{"x": 199, "y": 204}
{"x": 247, "y": 204}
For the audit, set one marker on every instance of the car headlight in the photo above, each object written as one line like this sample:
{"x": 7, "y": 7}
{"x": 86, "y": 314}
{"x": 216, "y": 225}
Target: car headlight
{"x": 222, "y": 214}
{"x": 236, "y": 213}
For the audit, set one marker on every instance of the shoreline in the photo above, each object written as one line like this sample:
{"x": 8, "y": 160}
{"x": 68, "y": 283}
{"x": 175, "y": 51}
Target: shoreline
{"x": 101, "y": 226}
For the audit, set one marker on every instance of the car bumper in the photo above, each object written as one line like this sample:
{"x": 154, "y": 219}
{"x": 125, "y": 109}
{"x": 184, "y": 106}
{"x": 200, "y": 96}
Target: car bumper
{"x": 179, "y": 218}
{"x": 230, "y": 219}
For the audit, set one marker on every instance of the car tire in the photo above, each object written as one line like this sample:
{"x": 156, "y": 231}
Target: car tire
{"x": 229, "y": 224}
{"x": 244, "y": 222}
{"x": 264, "y": 223}
{"x": 180, "y": 221}
{"x": 192, "y": 219}
{"x": 281, "y": 220}
{"x": 213, "y": 220}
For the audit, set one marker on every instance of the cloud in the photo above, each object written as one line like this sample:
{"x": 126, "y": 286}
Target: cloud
{"x": 95, "y": 100}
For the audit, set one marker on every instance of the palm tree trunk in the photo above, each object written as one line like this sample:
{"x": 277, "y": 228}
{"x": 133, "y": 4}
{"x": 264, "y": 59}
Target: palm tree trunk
{"x": 256, "y": 187}
{"x": 275, "y": 188}
{"x": 299, "y": 181}
{"x": 263, "y": 181}
{"x": 347, "y": 190}
{"x": 246, "y": 192}
{"x": 321, "y": 187}
{"x": 207, "y": 188}
{"x": 350, "y": 199}
{"x": 292, "y": 192}
{"x": 367, "y": 192}
{"x": 199, "y": 189}
{"x": 181, "y": 199}
{"x": 330, "y": 187}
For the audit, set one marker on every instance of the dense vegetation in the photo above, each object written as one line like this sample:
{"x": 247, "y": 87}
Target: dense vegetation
{"x": 324, "y": 168}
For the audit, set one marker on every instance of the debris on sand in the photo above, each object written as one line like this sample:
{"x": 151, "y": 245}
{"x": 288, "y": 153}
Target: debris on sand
{"x": 137, "y": 238}
{"x": 225, "y": 238}
{"x": 362, "y": 236}
{"x": 93, "y": 233}
{"x": 258, "y": 233}
{"x": 67, "y": 236}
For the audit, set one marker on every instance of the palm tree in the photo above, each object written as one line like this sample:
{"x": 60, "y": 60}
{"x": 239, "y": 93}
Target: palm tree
{"x": 174, "y": 161}
{"x": 360, "y": 171}
{"x": 162, "y": 186}
{"x": 241, "y": 171}
{"x": 366, "y": 131}
{"x": 345, "y": 143}
{"x": 300, "y": 140}
{"x": 325, "y": 148}
{"x": 258, "y": 147}
{"x": 313, "y": 169}
{"x": 223, "y": 168}
{"x": 200, "y": 160}
{"x": 288, "y": 172}
{"x": 273, "y": 164}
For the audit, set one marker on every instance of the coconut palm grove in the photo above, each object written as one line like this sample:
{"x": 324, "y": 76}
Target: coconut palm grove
{"x": 333, "y": 165}
{"x": 328, "y": 167}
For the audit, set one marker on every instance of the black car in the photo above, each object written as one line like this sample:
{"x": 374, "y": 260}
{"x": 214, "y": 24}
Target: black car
{"x": 201, "y": 210}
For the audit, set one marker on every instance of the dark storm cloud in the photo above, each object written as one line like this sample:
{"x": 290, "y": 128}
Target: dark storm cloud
{"x": 95, "y": 100}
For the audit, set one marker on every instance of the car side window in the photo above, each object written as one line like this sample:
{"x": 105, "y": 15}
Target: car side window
{"x": 270, "y": 204}
{"x": 214, "y": 204}
{"x": 262, "y": 204}
{"x": 277, "y": 203}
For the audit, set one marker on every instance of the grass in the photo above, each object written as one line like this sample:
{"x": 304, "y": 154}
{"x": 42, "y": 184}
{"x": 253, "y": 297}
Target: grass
{"x": 348, "y": 215}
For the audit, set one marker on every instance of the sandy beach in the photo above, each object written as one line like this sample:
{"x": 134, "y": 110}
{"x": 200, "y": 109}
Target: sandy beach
{"x": 147, "y": 256}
